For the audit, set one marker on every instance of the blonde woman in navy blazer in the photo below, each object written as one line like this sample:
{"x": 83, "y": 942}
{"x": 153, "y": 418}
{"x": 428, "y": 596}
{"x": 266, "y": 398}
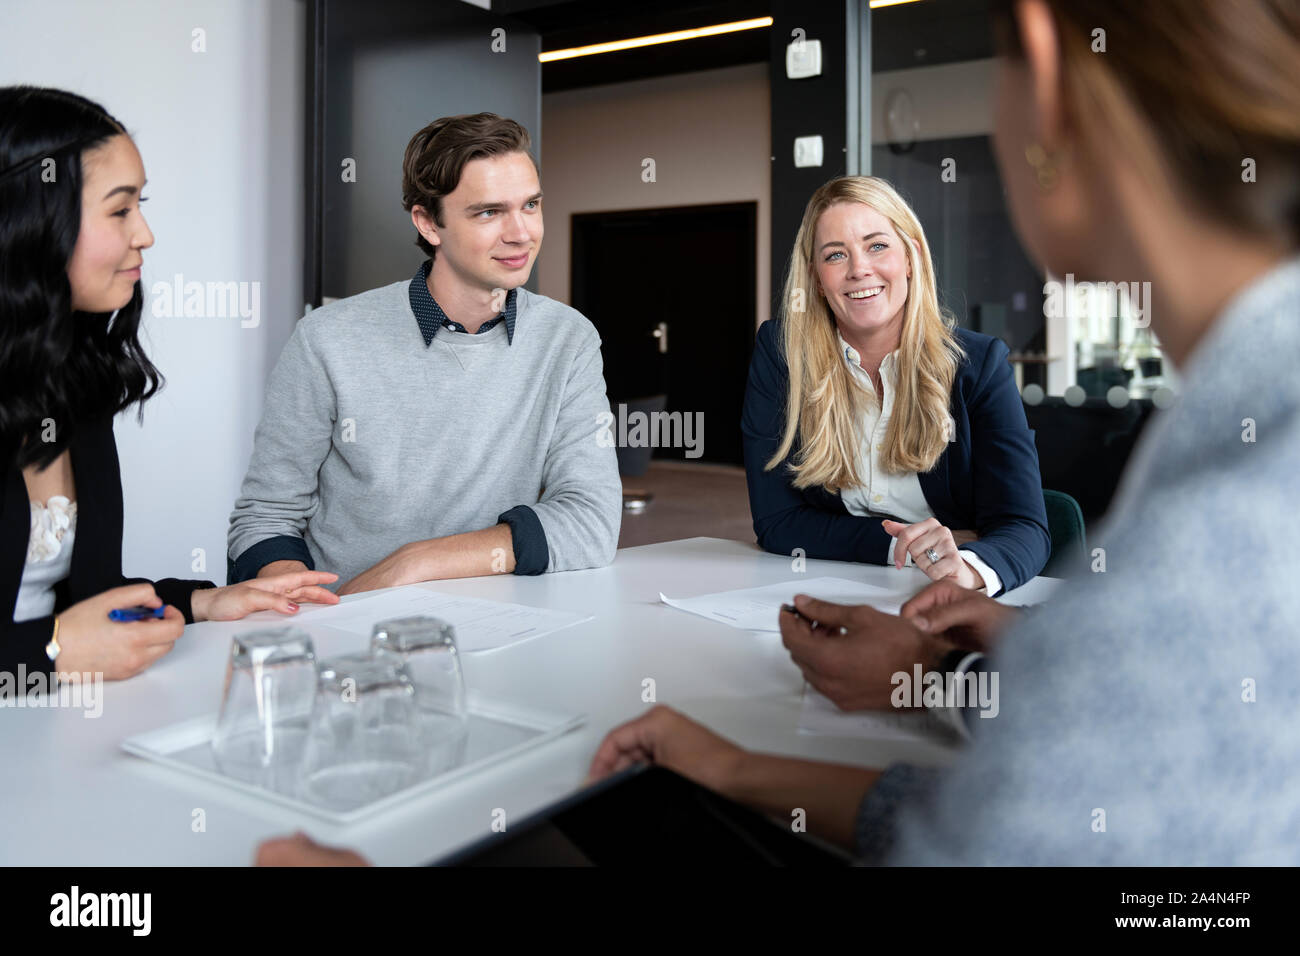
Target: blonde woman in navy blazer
{"x": 874, "y": 430}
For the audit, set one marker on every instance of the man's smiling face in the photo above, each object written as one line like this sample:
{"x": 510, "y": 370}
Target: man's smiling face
{"x": 492, "y": 228}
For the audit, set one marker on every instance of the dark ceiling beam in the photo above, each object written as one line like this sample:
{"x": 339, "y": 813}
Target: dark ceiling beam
{"x": 584, "y": 22}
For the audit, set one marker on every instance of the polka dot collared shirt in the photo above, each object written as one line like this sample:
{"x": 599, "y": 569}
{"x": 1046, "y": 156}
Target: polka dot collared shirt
{"x": 430, "y": 317}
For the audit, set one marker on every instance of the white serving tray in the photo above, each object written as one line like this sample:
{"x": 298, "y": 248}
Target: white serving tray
{"x": 497, "y": 731}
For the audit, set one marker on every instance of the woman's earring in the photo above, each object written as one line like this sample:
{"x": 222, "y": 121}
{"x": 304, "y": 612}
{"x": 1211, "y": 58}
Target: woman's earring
{"x": 1044, "y": 166}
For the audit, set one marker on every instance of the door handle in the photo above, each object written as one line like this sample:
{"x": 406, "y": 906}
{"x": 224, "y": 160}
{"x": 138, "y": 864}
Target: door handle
{"x": 661, "y": 333}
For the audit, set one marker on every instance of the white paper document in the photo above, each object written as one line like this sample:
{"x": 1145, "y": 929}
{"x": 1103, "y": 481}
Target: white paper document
{"x": 820, "y": 716}
{"x": 481, "y": 625}
{"x": 756, "y": 609}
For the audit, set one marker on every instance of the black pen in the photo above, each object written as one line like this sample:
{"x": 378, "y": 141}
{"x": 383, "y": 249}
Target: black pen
{"x": 795, "y": 611}
{"x": 813, "y": 624}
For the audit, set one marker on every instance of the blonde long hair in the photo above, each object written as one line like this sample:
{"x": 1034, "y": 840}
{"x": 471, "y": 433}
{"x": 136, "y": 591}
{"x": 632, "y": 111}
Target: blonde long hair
{"x": 825, "y": 405}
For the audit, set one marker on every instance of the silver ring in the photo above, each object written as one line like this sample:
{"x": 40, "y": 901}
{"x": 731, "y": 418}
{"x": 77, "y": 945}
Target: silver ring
{"x": 933, "y": 555}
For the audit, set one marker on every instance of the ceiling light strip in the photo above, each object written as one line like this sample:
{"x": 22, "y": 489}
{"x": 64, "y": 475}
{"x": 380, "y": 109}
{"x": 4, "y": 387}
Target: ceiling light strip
{"x": 673, "y": 37}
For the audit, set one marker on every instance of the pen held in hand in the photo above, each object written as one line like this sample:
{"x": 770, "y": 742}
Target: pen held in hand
{"x": 791, "y": 609}
{"x": 126, "y": 615}
{"x": 829, "y": 631}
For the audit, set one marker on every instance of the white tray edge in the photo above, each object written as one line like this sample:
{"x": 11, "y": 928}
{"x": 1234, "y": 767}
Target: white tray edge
{"x": 149, "y": 746}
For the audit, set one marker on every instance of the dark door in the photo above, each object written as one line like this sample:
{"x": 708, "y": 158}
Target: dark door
{"x": 671, "y": 292}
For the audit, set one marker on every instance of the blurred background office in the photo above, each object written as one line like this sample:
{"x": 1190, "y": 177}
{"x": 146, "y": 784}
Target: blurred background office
{"x": 676, "y": 166}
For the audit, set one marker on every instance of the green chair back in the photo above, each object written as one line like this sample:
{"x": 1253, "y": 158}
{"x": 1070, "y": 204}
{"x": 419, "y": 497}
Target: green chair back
{"x": 1065, "y": 524}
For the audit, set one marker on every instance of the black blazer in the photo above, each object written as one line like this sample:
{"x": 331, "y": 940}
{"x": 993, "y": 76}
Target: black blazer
{"x": 96, "y": 550}
{"x": 986, "y": 480}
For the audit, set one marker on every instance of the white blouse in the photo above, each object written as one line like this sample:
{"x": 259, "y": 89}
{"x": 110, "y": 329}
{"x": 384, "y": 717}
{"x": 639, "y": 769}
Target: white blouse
{"x": 49, "y": 557}
{"x": 882, "y": 493}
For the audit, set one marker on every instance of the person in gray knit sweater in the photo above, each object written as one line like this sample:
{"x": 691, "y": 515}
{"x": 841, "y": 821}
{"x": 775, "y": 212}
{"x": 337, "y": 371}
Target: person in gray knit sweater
{"x": 446, "y": 426}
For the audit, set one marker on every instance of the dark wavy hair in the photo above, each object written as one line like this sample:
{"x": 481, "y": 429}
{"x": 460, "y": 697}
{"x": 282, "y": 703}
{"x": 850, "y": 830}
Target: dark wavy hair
{"x": 55, "y": 364}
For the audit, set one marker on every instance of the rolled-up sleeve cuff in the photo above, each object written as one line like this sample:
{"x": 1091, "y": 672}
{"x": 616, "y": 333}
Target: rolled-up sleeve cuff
{"x": 954, "y": 668}
{"x": 180, "y": 594}
{"x": 532, "y": 554}
{"x": 899, "y": 786}
{"x": 280, "y": 548}
{"x": 992, "y": 583}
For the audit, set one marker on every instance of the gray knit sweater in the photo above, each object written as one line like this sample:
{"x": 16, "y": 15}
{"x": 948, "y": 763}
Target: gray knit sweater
{"x": 1150, "y": 713}
{"x": 370, "y": 439}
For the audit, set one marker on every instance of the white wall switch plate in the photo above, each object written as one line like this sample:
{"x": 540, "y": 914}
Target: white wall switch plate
{"x": 803, "y": 59}
{"x": 808, "y": 151}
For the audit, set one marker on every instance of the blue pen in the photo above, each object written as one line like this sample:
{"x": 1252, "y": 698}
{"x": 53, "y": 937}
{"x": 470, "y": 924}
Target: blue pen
{"x": 137, "y": 613}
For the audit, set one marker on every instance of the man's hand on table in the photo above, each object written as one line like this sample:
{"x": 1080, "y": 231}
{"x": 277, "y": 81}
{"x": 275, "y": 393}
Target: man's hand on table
{"x": 850, "y": 652}
{"x": 968, "y": 619}
{"x": 467, "y": 555}
{"x": 828, "y": 793}
{"x": 400, "y": 567}
{"x": 672, "y": 740}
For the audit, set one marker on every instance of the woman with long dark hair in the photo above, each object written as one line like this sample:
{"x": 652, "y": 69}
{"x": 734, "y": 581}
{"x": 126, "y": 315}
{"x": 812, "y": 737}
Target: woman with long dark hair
{"x": 72, "y": 238}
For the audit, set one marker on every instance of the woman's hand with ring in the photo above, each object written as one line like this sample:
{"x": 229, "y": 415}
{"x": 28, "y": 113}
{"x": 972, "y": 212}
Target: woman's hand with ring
{"x": 934, "y": 551}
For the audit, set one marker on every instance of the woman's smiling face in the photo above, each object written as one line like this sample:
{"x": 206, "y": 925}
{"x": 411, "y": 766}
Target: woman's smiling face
{"x": 105, "y": 264}
{"x": 862, "y": 269}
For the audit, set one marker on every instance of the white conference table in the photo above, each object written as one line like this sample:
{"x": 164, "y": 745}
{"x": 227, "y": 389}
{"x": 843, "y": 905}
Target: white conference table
{"x": 74, "y": 797}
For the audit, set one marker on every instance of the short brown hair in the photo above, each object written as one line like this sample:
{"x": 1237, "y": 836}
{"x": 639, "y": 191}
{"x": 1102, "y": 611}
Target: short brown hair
{"x": 436, "y": 156}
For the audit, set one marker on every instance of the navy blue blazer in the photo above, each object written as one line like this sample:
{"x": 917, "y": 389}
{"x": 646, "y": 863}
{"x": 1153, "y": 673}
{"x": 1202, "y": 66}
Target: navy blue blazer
{"x": 96, "y": 550}
{"x": 987, "y": 480}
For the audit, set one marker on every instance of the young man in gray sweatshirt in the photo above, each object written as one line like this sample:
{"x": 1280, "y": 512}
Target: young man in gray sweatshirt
{"x": 446, "y": 426}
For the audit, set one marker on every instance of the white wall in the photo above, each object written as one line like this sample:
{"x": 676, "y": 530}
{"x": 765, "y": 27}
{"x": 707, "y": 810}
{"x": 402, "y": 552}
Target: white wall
{"x": 710, "y": 134}
{"x": 221, "y": 134}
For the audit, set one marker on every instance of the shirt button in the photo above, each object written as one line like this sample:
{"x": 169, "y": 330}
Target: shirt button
{"x": 878, "y": 498}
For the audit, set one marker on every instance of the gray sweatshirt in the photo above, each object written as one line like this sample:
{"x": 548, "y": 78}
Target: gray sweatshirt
{"x": 370, "y": 439}
{"x": 1150, "y": 713}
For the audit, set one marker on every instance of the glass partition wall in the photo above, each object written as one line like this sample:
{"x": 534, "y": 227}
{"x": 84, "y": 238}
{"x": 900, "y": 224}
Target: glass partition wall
{"x": 931, "y": 109}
